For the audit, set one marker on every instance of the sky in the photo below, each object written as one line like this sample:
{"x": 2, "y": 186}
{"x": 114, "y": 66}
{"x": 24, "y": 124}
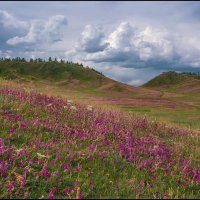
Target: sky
{"x": 131, "y": 42}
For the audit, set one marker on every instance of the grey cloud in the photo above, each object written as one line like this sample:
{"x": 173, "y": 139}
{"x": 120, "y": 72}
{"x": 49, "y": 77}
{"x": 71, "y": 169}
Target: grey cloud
{"x": 121, "y": 37}
{"x": 42, "y": 32}
{"x": 6, "y": 53}
{"x": 31, "y": 38}
{"x": 131, "y": 76}
{"x": 9, "y": 21}
{"x": 9, "y": 27}
{"x": 91, "y": 39}
{"x": 151, "y": 47}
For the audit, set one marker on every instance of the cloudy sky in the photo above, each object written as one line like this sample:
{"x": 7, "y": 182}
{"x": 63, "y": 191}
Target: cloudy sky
{"x": 127, "y": 41}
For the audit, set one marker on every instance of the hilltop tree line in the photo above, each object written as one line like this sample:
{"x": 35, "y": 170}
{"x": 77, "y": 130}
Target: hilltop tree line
{"x": 193, "y": 74}
{"x": 196, "y": 74}
{"x": 37, "y": 60}
{"x": 50, "y": 59}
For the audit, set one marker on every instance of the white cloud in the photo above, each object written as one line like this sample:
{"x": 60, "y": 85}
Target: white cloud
{"x": 188, "y": 47}
{"x": 9, "y": 21}
{"x": 32, "y": 36}
{"x": 91, "y": 39}
{"x": 127, "y": 75}
{"x": 52, "y": 29}
{"x": 121, "y": 37}
{"x": 135, "y": 82}
{"x": 153, "y": 43}
{"x": 6, "y": 54}
{"x": 131, "y": 47}
{"x": 134, "y": 55}
{"x": 42, "y": 32}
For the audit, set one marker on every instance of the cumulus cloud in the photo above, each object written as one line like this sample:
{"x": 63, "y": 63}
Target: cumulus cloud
{"x": 91, "y": 39}
{"x": 33, "y": 37}
{"x": 134, "y": 48}
{"x": 10, "y": 26}
{"x": 131, "y": 47}
{"x": 6, "y": 53}
{"x": 9, "y": 21}
{"x": 42, "y": 32}
{"x": 90, "y": 42}
{"x": 188, "y": 47}
{"x": 121, "y": 37}
{"x": 153, "y": 43}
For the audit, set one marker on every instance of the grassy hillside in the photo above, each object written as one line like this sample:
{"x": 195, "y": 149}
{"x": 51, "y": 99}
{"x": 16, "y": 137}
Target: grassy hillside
{"x": 67, "y": 75}
{"x": 52, "y": 71}
{"x": 175, "y": 82}
{"x": 167, "y": 79}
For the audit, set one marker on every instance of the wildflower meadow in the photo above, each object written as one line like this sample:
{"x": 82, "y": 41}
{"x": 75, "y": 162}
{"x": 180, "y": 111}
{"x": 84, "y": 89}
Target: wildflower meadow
{"x": 52, "y": 147}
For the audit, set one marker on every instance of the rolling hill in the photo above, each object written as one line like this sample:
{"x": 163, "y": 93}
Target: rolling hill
{"x": 68, "y": 75}
{"x": 176, "y": 82}
{"x": 51, "y": 71}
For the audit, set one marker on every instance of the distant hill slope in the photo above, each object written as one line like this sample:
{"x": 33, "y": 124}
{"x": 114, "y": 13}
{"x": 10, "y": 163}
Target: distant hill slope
{"x": 70, "y": 75}
{"x": 183, "y": 82}
{"x": 53, "y": 71}
{"x": 167, "y": 78}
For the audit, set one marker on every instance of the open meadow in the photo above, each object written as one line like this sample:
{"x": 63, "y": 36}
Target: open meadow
{"x": 72, "y": 146}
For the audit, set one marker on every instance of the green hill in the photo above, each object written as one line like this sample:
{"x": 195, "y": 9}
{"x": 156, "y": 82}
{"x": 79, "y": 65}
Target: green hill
{"x": 166, "y": 79}
{"x": 53, "y": 71}
{"x": 183, "y": 82}
{"x": 63, "y": 74}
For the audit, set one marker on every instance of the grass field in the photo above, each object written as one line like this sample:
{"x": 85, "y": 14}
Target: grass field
{"x": 188, "y": 118}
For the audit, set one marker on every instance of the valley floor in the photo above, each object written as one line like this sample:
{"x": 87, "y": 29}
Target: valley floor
{"x": 182, "y": 109}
